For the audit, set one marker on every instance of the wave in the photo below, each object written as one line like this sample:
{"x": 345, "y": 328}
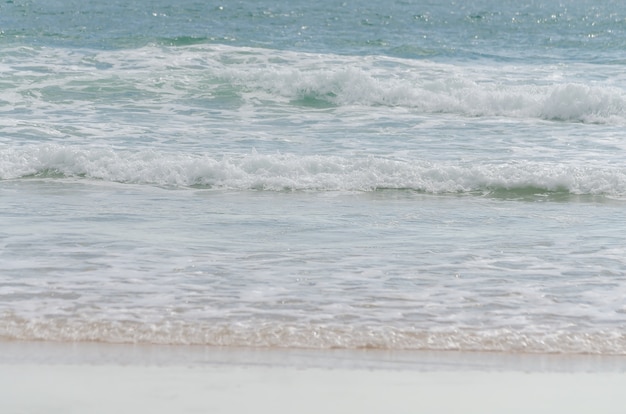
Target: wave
{"x": 198, "y": 74}
{"x": 474, "y": 90}
{"x": 280, "y": 172}
{"x": 447, "y": 93}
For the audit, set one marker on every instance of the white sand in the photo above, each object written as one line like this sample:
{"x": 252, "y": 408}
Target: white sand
{"x": 49, "y": 378}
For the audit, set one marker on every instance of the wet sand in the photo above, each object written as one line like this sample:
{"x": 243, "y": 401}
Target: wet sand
{"x": 39, "y": 377}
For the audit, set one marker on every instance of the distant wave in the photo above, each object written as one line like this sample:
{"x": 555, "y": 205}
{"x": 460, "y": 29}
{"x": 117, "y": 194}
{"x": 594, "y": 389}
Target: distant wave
{"x": 548, "y": 93}
{"x": 280, "y": 172}
{"x": 188, "y": 73}
{"x": 453, "y": 93}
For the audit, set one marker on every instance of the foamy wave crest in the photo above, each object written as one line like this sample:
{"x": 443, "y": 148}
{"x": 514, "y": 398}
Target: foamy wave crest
{"x": 278, "y": 172}
{"x": 285, "y": 335}
{"x": 470, "y": 90}
{"x": 454, "y": 93}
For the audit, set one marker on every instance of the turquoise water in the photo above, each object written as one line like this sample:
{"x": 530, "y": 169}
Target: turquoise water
{"x": 414, "y": 175}
{"x": 575, "y": 30}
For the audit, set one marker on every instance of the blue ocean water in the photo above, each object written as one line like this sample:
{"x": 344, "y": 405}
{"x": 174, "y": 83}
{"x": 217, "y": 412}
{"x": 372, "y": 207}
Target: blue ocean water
{"x": 409, "y": 175}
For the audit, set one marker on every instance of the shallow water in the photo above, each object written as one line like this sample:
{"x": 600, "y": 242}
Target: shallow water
{"x": 386, "y": 269}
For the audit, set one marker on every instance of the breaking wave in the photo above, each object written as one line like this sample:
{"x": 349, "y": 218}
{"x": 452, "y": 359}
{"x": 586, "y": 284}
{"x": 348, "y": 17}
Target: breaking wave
{"x": 280, "y": 172}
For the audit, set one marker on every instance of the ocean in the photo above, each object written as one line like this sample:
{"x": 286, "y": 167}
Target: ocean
{"x": 404, "y": 175}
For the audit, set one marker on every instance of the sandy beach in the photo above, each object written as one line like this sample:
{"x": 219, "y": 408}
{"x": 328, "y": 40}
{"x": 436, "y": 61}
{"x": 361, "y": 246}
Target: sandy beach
{"x": 100, "y": 378}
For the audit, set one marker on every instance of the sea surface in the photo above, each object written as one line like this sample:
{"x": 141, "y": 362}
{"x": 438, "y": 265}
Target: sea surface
{"x": 409, "y": 174}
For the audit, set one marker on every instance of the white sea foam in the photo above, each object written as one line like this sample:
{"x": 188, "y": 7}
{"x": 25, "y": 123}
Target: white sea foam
{"x": 305, "y": 172}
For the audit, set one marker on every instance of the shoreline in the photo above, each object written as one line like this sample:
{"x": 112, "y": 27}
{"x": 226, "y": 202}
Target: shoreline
{"x": 98, "y": 353}
{"x": 42, "y": 377}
